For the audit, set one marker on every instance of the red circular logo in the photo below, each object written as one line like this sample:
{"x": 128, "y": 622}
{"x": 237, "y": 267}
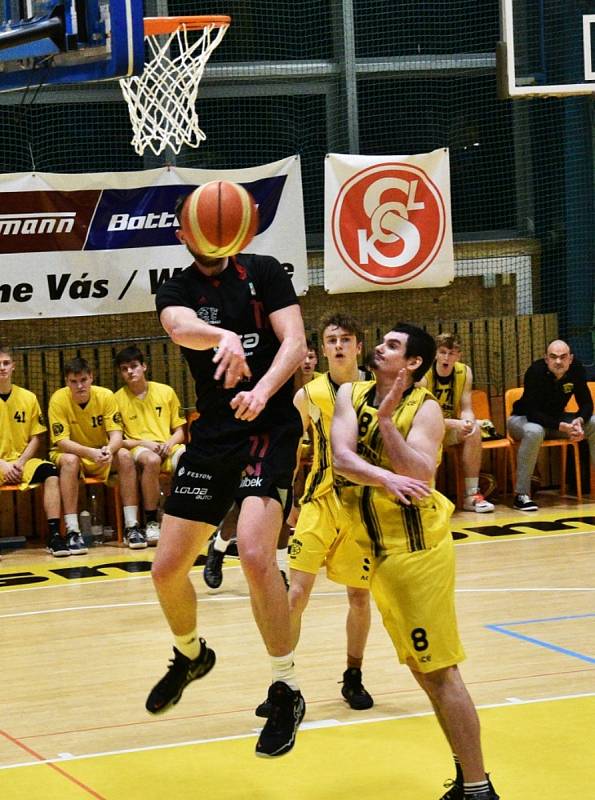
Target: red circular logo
{"x": 388, "y": 223}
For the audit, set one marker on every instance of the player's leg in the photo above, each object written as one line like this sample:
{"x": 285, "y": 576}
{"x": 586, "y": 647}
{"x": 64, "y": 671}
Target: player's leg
{"x": 259, "y": 523}
{"x": 358, "y": 622}
{"x": 128, "y": 480}
{"x": 149, "y": 466}
{"x": 180, "y": 543}
{"x": 471, "y": 457}
{"x": 69, "y": 468}
{"x": 213, "y": 571}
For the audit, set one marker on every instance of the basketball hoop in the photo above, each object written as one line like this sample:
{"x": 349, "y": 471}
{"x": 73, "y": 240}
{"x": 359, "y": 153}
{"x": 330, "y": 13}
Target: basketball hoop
{"x": 162, "y": 100}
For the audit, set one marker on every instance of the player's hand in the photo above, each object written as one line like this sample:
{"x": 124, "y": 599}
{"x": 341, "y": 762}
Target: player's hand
{"x": 404, "y": 487}
{"x": 231, "y": 360}
{"x": 466, "y": 426}
{"x": 164, "y": 450}
{"x": 393, "y": 398}
{"x": 13, "y": 473}
{"x": 248, "y": 405}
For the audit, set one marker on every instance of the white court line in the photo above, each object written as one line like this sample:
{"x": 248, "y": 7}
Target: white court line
{"x": 138, "y": 576}
{"x": 514, "y": 702}
{"x": 244, "y": 598}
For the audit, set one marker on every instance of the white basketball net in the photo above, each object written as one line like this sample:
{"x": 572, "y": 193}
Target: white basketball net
{"x": 162, "y": 100}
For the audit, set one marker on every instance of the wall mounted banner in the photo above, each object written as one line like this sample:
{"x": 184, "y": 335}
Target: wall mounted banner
{"x": 387, "y": 222}
{"x": 73, "y": 245}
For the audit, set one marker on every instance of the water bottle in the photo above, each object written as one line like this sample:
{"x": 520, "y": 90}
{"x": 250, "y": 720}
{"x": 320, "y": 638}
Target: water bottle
{"x": 96, "y": 519}
{"x": 85, "y": 526}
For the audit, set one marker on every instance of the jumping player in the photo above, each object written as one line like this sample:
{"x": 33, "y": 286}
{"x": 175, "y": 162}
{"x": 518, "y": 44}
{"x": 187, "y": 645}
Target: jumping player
{"x": 239, "y": 325}
{"x": 387, "y": 436}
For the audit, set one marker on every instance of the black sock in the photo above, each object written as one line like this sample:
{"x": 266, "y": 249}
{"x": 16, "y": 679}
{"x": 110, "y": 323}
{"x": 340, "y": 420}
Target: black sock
{"x": 150, "y": 516}
{"x": 459, "y": 775}
{"x": 54, "y": 527}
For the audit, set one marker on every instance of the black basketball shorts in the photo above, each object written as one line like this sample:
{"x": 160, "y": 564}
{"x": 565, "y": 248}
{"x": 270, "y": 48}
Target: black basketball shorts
{"x": 205, "y": 485}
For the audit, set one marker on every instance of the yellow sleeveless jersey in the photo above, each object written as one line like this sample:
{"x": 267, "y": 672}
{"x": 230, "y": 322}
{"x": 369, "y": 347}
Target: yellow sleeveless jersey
{"x": 154, "y": 417}
{"x": 20, "y": 420}
{"x": 388, "y": 523}
{"x": 88, "y": 426}
{"x": 448, "y": 391}
{"x": 321, "y": 393}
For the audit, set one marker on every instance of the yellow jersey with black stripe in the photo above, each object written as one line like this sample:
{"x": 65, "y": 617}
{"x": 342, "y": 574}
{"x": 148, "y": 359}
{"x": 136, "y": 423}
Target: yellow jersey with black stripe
{"x": 391, "y": 525}
{"x": 321, "y": 394}
{"x": 153, "y": 417}
{"x": 88, "y": 425}
{"x": 448, "y": 391}
{"x": 20, "y": 420}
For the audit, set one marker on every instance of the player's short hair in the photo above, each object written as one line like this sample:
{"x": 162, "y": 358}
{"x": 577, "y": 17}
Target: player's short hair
{"x": 76, "y": 365}
{"x": 345, "y": 321}
{"x": 7, "y": 350}
{"x": 311, "y": 346}
{"x": 449, "y": 340}
{"x": 130, "y": 353}
{"x": 419, "y": 343}
{"x": 181, "y": 199}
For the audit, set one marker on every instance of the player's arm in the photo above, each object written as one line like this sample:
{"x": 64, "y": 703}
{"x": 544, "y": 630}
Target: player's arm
{"x": 348, "y": 463}
{"x": 177, "y": 437}
{"x": 300, "y": 401}
{"x": 467, "y": 422}
{"x": 417, "y": 455}
{"x": 288, "y": 327}
{"x": 32, "y": 447}
{"x": 185, "y": 329}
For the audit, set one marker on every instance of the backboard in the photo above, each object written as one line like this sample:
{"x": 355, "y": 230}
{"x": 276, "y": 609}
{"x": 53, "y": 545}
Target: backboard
{"x": 69, "y": 41}
{"x": 547, "y": 48}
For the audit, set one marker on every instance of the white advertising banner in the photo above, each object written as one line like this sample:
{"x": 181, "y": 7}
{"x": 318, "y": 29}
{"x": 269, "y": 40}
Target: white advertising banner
{"x": 102, "y": 243}
{"x": 387, "y": 222}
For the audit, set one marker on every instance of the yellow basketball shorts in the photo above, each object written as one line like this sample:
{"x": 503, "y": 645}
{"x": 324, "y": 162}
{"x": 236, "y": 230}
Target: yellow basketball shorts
{"x": 88, "y": 468}
{"x": 323, "y": 536}
{"x": 169, "y": 464}
{"x": 29, "y": 470}
{"x": 415, "y": 595}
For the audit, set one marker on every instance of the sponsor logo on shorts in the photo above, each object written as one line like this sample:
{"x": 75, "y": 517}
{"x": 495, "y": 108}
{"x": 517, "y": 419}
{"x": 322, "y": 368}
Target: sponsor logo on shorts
{"x": 198, "y": 492}
{"x": 296, "y": 548}
{"x": 250, "y": 483}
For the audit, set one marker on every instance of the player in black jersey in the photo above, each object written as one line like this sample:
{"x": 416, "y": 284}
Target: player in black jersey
{"x": 240, "y": 328}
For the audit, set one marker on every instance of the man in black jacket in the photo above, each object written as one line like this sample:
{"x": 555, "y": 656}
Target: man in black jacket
{"x": 549, "y": 384}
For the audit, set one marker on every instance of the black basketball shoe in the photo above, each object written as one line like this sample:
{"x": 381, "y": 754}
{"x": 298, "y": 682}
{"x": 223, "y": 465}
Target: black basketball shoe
{"x": 213, "y": 571}
{"x": 181, "y": 671}
{"x": 457, "y": 792}
{"x": 353, "y": 690}
{"x": 287, "y": 709}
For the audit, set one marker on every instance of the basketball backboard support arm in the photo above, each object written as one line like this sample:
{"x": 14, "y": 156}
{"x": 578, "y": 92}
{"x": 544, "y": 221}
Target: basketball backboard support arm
{"x": 513, "y": 86}
{"x": 99, "y": 40}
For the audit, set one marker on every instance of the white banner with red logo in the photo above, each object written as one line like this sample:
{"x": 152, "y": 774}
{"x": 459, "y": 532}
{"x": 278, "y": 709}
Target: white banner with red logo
{"x": 102, "y": 243}
{"x": 387, "y": 222}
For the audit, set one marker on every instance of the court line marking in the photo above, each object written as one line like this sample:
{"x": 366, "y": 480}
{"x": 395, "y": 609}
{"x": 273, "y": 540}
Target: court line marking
{"x": 502, "y": 627}
{"x": 195, "y": 570}
{"x": 140, "y": 603}
{"x": 332, "y": 723}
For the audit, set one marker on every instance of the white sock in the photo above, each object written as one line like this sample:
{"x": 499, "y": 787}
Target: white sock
{"x": 71, "y": 522}
{"x": 130, "y": 516}
{"x": 220, "y": 543}
{"x": 282, "y": 558}
{"x": 471, "y": 486}
{"x": 283, "y": 669}
{"x": 188, "y": 644}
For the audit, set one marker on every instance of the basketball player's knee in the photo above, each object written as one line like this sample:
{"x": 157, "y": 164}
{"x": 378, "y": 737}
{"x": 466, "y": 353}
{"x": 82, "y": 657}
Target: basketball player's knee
{"x": 165, "y": 573}
{"x": 298, "y": 596}
{"x": 359, "y": 600}
{"x": 437, "y": 682}
{"x": 151, "y": 463}
{"x": 69, "y": 463}
{"x": 254, "y": 563}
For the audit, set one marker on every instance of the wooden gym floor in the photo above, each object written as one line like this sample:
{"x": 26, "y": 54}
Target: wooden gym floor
{"x": 83, "y": 640}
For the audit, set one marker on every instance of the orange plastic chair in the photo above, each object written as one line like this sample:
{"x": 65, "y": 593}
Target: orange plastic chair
{"x": 502, "y": 448}
{"x": 510, "y": 396}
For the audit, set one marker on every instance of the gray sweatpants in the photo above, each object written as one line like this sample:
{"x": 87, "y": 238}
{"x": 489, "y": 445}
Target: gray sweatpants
{"x": 531, "y": 435}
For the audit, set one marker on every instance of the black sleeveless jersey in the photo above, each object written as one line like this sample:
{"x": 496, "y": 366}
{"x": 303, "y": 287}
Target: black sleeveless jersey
{"x": 239, "y": 299}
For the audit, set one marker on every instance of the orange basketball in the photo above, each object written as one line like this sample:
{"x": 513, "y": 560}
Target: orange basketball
{"x": 219, "y": 219}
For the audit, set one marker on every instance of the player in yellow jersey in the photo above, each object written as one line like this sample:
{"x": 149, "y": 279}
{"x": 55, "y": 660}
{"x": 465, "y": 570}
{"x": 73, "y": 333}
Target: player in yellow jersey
{"x": 387, "y": 436}
{"x": 319, "y": 537}
{"x": 86, "y": 435}
{"x": 153, "y": 425}
{"x": 450, "y": 381}
{"x": 22, "y": 428}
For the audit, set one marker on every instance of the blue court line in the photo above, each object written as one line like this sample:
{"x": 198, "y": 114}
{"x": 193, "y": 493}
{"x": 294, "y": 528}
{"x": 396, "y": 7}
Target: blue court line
{"x": 503, "y": 628}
